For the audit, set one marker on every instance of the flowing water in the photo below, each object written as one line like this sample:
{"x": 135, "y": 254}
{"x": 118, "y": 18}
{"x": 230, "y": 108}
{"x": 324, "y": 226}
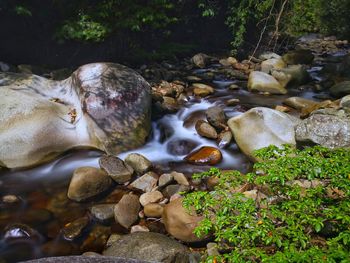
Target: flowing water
{"x": 43, "y": 204}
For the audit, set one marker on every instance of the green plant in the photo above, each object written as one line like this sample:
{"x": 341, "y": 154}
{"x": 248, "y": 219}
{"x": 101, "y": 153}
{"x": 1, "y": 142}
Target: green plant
{"x": 301, "y": 212}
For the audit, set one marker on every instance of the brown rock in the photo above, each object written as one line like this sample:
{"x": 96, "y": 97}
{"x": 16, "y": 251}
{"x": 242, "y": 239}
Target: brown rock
{"x": 179, "y": 222}
{"x": 206, "y": 130}
{"x": 224, "y": 139}
{"x": 202, "y": 90}
{"x": 216, "y": 117}
{"x": 205, "y": 155}
{"x": 153, "y": 210}
{"x": 127, "y": 210}
{"x": 180, "y": 178}
{"x": 150, "y": 197}
{"x": 88, "y": 182}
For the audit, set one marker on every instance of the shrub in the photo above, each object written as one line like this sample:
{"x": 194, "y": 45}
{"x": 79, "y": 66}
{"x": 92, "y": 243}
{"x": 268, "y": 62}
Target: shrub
{"x": 294, "y": 223}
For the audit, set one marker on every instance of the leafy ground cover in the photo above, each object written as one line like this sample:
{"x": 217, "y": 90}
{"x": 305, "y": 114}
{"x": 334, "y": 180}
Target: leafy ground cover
{"x": 297, "y": 208}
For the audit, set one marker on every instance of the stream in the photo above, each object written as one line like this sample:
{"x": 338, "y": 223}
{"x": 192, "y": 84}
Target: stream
{"x": 41, "y": 191}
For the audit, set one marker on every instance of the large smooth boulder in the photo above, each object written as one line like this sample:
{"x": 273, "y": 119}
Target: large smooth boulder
{"x": 261, "y": 127}
{"x": 149, "y": 246}
{"x": 260, "y": 81}
{"x": 327, "y": 127}
{"x": 101, "y": 105}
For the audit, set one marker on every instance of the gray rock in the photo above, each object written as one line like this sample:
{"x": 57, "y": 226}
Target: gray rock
{"x": 269, "y": 55}
{"x": 328, "y": 127}
{"x": 205, "y": 129}
{"x": 138, "y": 162}
{"x": 274, "y": 63}
{"x": 116, "y": 168}
{"x": 345, "y": 102}
{"x": 261, "y": 127}
{"x": 181, "y": 146}
{"x": 149, "y": 246}
{"x": 165, "y": 179}
{"x": 260, "y": 81}
{"x": 341, "y": 89}
{"x": 126, "y": 212}
{"x": 173, "y": 189}
{"x": 300, "y": 56}
{"x": 180, "y": 178}
{"x": 216, "y": 117}
{"x": 103, "y": 212}
{"x": 146, "y": 182}
{"x": 200, "y": 60}
{"x": 292, "y": 76}
{"x": 102, "y": 105}
{"x": 88, "y": 182}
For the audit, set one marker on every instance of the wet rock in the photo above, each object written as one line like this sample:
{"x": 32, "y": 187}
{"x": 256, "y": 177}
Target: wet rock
{"x": 181, "y": 146}
{"x": 200, "y": 60}
{"x": 82, "y": 110}
{"x": 341, "y": 89}
{"x": 138, "y": 228}
{"x": 150, "y": 197}
{"x": 205, "y": 155}
{"x": 19, "y": 231}
{"x": 292, "y": 76}
{"x": 96, "y": 239}
{"x": 146, "y": 182}
{"x": 165, "y": 179}
{"x": 88, "y": 182}
{"x": 233, "y": 87}
{"x": 149, "y": 246}
{"x": 274, "y": 63}
{"x": 299, "y": 102}
{"x": 174, "y": 189}
{"x": 300, "y": 56}
{"x": 127, "y": 210}
{"x": 179, "y": 222}
{"x": 282, "y": 108}
{"x": 234, "y": 73}
{"x": 216, "y": 117}
{"x": 153, "y": 210}
{"x": 205, "y": 129}
{"x": 261, "y": 127}
{"x": 84, "y": 259}
{"x": 74, "y": 229}
{"x": 328, "y": 127}
{"x": 202, "y": 90}
{"x": 263, "y": 82}
{"x": 116, "y": 168}
{"x": 232, "y": 102}
{"x": 138, "y": 162}
{"x": 103, "y": 212}
{"x": 180, "y": 178}
{"x": 224, "y": 139}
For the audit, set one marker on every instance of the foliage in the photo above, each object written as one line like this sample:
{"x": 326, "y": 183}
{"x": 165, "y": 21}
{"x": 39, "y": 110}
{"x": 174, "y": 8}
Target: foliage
{"x": 301, "y": 212}
{"x": 95, "y": 21}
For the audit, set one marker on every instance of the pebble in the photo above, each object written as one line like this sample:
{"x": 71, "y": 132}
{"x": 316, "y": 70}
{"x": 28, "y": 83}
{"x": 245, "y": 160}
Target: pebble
{"x": 204, "y": 129}
{"x": 139, "y": 228}
{"x": 205, "y": 155}
{"x": 165, "y": 179}
{"x": 103, "y": 212}
{"x": 74, "y": 229}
